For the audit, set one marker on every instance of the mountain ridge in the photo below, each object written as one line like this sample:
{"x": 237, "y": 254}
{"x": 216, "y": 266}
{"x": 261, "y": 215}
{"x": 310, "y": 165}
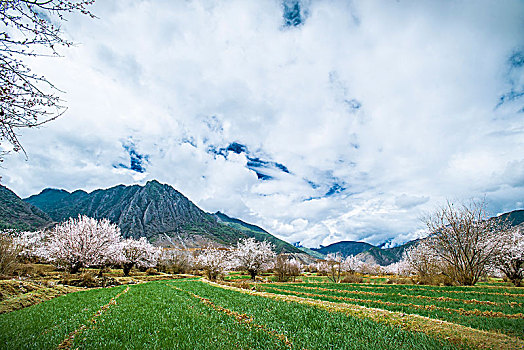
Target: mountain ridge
{"x": 19, "y": 215}
{"x": 156, "y": 211}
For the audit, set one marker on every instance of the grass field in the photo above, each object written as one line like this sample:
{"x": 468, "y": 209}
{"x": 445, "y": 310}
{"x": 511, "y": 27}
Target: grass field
{"x": 485, "y": 307}
{"x": 191, "y": 314}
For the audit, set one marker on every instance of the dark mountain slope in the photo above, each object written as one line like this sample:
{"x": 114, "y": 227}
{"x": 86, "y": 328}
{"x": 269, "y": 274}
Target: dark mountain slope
{"x": 345, "y": 248}
{"x": 515, "y": 217}
{"x": 385, "y": 256}
{"x": 19, "y": 215}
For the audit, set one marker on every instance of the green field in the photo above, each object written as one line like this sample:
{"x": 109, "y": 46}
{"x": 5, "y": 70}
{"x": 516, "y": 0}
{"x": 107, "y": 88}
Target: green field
{"x": 190, "y": 314}
{"x": 488, "y": 308}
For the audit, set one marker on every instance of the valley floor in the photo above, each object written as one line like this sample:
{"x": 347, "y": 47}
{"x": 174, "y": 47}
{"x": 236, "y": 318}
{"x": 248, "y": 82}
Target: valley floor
{"x": 195, "y": 314}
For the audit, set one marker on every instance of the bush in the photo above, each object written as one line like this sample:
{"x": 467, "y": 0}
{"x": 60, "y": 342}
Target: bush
{"x": 9, "y": 251}
{"x": 152, "y": 271}
{"x": 103, "y": 270}
{"x": 352, "y": 278}
{"x": 88, "y": 280}
{"x": 243, "y": 285}
{"x": 30, "y": 270}
{"x": 434, "y": 280}
{"x": 395, "y": 280}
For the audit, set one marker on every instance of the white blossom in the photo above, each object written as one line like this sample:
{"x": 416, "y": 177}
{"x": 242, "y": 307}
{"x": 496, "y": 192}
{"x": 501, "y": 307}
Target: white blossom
{"x": 84, "y": 242}
{"x": 214, "y": 261}
{"x": 510, "y": 256}
{"x": 32, "y": 244}
{"x": 138, "y": 253}
{"x": 254, "y": 256}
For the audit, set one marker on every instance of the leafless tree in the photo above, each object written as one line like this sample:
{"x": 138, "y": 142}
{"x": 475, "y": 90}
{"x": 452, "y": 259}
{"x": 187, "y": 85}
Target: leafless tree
{"x": 30, "y": 28}
{"x": 286, "y": 267}
{"x": 9, "y": 251}
{"x": 464, "y": 240}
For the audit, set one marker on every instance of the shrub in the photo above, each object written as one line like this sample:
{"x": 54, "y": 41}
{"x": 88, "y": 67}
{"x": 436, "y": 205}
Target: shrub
{"x": 352, "y": 278}
{"x": 434, "y": 280}
{"x": 394, "y": 280}
{"x": 152, "y": 271}
{"x": 9, "y": 251}
{"x": 88, "y": 280}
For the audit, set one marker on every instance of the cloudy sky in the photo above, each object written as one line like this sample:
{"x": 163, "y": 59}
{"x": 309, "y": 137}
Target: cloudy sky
{"x": 318, "y": 120}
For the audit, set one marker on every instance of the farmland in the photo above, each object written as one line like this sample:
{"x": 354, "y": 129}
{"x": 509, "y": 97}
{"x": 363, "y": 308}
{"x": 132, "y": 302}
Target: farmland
{"x": 192, "y": 314}
{"x": 488, "y": 308}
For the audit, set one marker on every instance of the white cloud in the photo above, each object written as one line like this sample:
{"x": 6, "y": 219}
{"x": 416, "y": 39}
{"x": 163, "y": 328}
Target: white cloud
{"x": 388, "y": 107}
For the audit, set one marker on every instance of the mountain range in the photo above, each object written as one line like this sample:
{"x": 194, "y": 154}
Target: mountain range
{"x": 385, "y": 256}
{"x": 367, "y": 252}
{"x": 167, "y": 218}
{"x": 155, "y": 211}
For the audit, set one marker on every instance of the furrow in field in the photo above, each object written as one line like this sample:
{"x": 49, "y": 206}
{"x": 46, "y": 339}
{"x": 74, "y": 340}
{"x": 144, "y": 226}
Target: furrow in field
{"x": 68, "y": 341}
{"x": 241, "y": 318}
{"x": 506, "y": 294}
{"x": 444, "y": 299}
{"x": 455, "y": 333}
{"x": 473, "y": 312}
{"x": 416, "y": 288}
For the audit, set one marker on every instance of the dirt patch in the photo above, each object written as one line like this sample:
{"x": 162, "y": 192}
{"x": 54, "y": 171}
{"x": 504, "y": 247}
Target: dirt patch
{"x": 33, "y": 297}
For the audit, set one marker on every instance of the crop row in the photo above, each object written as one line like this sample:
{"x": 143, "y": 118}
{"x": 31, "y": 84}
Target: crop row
{"x": 504, "y": 317}
{"x": 499, "y": 294}
{"x": 511, "y": 304}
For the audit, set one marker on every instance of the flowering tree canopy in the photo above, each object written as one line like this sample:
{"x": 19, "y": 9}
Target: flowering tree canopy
{"x": 254, "y": 256}
{"x": 139, "y": 253}
{"x": 214, "y": 261}
{"x": 510, "y": 256}
{"x": 32, "y": 244}
{"x": 84, "y": 242}
{"x": 423, "y": 261}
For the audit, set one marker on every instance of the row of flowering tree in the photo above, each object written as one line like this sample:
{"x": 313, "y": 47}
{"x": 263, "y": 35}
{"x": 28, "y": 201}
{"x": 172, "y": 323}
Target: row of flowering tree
{"x": 249, "y": 255}
{"x": 87, "y": 242}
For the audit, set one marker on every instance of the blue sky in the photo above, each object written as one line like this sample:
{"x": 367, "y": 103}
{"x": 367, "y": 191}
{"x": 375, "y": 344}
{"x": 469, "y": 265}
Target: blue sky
{"x": 318, "y": 120}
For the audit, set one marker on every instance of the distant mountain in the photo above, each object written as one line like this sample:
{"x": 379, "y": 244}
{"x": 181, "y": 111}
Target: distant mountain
{"x": 515, "y": 217}
{"x": 19, "y": 215}
{"x": 155, "y": 211}
{"x": 254, "y": 231}
{"x": 313, "y": 253}
{"x": 345, "y": 248}
{"x": 386, "y": 256}
{"x": 378, "y": 255}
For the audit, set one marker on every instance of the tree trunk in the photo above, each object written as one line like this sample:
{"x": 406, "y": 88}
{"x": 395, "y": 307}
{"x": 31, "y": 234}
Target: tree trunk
{"x": 75, "y": 268}
{"x": 253, "y": 274}
{"x": 127, "y": 268}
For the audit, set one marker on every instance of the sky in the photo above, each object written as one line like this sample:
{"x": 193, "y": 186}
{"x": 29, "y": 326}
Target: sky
{"x": 320, "y": 121}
